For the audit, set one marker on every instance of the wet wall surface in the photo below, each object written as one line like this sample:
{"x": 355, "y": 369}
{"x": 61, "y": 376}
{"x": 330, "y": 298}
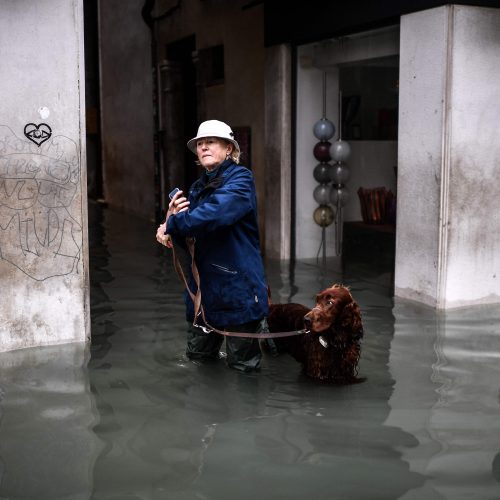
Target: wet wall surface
{"x": 129, "y": 417}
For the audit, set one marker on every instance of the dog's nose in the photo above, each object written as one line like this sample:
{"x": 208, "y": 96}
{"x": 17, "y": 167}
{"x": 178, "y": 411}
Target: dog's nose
{"x": 307, "y": 321}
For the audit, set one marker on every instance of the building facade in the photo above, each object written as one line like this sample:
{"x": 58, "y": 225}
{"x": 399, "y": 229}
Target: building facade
{"x": 412, "y": 86}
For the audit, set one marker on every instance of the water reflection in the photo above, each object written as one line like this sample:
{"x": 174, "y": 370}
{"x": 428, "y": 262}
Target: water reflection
{"x": 175, "y": 429}
{"x": 446, "y": 394}
{"x": 139, "y": 421}
{"x": 47, "y": 447}
{"x": 202, "y": 431}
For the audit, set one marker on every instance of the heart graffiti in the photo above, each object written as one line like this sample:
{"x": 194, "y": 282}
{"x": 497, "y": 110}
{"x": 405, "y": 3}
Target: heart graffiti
{"x": 37, "y": 133}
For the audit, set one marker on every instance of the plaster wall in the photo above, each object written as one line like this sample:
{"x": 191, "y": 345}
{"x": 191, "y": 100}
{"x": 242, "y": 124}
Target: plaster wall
{"x": 449, "y": 157}
{"x": 422, "y": 91}
{"x": 372, "y": 165}
{"x": 357, "y": 47}
{"x": 43, "y": 210}
{"x": 126, "y": 107}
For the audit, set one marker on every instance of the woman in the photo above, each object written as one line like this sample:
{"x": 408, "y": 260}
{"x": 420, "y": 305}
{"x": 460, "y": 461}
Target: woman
{"x": 220, "y": 213}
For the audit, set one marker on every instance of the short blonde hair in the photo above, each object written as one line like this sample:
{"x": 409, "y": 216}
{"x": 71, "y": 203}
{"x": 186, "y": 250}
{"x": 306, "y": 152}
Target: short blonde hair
{"x": 235, "y": 154}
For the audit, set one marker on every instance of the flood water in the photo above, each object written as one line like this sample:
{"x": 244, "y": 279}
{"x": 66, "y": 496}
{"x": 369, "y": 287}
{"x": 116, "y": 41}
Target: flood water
{"x": 130, "y": 418}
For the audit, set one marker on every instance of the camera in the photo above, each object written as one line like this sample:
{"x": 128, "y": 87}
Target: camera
{"x": 173, "y": 192}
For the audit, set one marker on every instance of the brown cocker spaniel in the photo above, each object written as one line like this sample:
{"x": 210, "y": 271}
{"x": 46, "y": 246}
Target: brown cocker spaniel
{"x": 331, "y": 348}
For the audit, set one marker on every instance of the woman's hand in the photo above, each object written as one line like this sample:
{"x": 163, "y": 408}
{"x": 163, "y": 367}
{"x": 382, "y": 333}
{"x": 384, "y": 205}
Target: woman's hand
{"x": 178, "y": 204}
{"x": 162, "y": 238}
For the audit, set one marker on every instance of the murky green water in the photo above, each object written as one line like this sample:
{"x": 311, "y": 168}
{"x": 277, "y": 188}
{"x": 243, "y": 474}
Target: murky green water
{"x": 130, "y": 418}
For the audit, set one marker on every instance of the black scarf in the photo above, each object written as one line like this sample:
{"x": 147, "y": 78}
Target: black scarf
{"x": 216, "y": 181}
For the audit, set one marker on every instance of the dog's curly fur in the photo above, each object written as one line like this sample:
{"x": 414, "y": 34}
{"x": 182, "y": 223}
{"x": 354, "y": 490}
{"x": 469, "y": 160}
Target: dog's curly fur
{"x": 330, "y": 350}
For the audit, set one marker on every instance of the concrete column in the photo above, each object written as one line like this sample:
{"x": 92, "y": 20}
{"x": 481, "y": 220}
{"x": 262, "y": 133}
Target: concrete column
{"x": 448, "y": 225}
{"x": 278, "y": 130}
{"x": 43, "y": 203}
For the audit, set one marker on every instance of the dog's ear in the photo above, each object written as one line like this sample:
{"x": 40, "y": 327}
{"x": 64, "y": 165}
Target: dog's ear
{"x": 350, "y": 319}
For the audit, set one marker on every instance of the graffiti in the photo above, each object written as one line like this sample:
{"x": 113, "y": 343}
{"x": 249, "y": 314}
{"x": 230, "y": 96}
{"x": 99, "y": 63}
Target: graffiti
{"x": 39, "y": 188}
{"x": 37, "y": 133}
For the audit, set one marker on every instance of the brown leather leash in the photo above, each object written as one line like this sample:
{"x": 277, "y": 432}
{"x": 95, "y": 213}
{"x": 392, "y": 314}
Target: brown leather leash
{"x": 198, "y": 306}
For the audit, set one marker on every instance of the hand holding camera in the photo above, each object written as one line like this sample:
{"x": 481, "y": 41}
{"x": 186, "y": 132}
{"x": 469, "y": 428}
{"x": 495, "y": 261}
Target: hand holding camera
{"x": 178, "y": 202}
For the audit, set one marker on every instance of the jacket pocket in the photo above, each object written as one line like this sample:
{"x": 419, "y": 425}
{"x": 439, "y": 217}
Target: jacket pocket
{"x": 226, "y": 289}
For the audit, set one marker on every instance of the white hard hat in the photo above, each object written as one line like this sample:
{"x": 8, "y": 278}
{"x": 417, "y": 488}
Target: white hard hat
{"x": 213, "y": 128}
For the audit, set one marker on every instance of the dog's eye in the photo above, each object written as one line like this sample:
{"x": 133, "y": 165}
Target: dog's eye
{"x": 330, "y": 302}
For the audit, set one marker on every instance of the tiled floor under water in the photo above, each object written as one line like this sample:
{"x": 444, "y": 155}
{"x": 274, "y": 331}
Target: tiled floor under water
{"x": 129, "y": 418}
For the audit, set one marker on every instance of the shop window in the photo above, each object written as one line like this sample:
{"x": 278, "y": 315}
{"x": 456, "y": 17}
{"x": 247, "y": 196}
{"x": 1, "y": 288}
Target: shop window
{"x": 370, "y": 99}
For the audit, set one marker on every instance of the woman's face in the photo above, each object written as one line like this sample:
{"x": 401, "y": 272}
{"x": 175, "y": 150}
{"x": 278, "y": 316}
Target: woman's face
{"x": 211, "y": 151}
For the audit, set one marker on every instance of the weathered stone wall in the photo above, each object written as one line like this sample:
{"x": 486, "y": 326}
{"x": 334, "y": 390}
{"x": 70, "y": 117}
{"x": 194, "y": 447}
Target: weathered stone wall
{"x": 43, "y": 212}
{"x": 448, "y": 227}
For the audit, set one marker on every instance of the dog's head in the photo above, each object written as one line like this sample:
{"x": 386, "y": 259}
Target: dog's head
{"x": 336, "y": 310}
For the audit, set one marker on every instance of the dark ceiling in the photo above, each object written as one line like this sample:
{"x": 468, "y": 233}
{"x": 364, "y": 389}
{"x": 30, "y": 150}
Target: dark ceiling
{"x": 305, "y": 22}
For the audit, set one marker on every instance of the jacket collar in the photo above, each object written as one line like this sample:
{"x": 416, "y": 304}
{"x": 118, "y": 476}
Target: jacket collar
{"x": 218, "y": 180}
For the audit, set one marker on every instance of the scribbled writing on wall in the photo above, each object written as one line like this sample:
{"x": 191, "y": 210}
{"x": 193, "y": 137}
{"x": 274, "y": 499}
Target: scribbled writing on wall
{"x": 39, "y": 188}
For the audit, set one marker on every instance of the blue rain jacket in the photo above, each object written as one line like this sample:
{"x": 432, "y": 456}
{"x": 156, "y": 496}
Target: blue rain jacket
{"x": 222, "y": 217}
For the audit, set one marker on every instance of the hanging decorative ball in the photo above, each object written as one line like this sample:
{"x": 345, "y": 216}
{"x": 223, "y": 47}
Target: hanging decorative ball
{"x": 322, "y": 151}
{"x": 323, "y": 215}
{"x": 322, "y": 194}
{"x": 339, "y": 173}
{"x": 322, "y": 173}
{"x": 340, "y": 150}
{"x": 339, "y": 194}
{"x": 324, "y": 129}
